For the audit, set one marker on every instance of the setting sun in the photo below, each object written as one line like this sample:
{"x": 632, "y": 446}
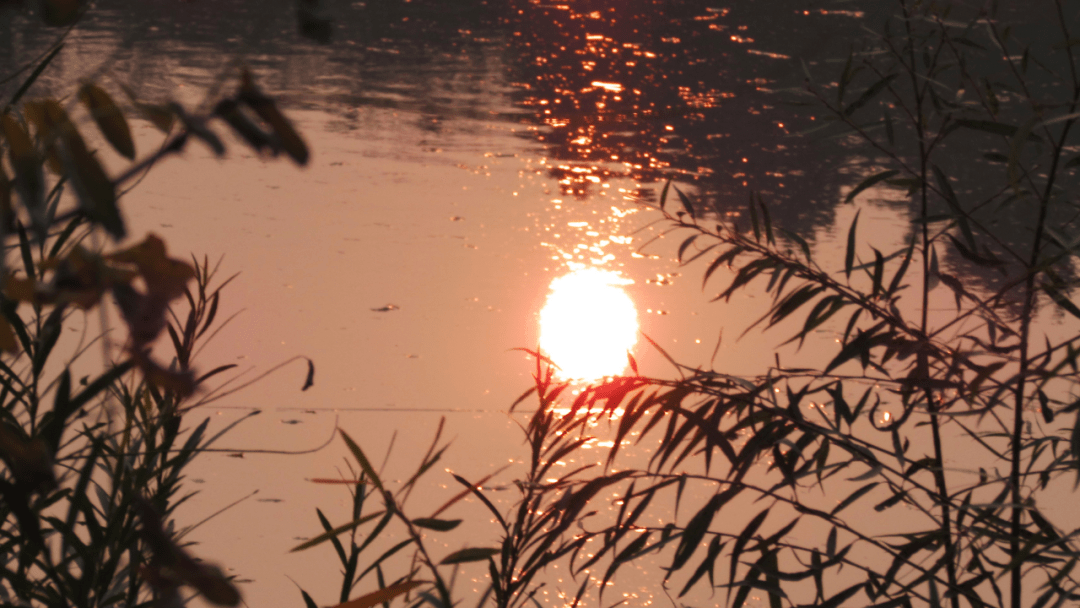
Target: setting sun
{"x": 588, "y": 324}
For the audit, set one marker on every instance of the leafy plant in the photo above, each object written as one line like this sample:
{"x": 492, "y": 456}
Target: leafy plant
{"x": 94, "y": 468}
{"x": 911, "y": 465}
{"x": 902, "y": 414}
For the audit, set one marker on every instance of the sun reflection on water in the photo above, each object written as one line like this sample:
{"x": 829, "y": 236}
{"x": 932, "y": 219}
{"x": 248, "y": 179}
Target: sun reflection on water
{"x": 588, "y": 324}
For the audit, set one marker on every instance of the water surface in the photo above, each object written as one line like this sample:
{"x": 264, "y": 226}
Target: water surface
{"x": 465, "y": 154}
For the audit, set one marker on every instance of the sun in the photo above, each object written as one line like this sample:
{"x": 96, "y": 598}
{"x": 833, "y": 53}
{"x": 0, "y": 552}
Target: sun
{"x": 588, "y": 324}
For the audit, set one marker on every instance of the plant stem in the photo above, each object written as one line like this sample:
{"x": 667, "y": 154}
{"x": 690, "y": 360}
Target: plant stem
{"x": 922, "y": 361}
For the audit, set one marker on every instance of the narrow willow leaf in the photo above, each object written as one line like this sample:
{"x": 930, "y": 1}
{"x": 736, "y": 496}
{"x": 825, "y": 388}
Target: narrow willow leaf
{"x": 1062, "y": 301}
{"x": 686, "y": 203}
{"x": 954, "y": 204}
{"x": 160, "y": 116}
{"x": 754, "y": 219}
{"x": 696, "y": 528}
{"x": 879, "y": 272}
{"x": 362, "y": 460}
{"x": 95, "y": 190}
{"x": 743, "y": 538}
{"x": 382, "y": 595}
{"x": 869, "y": 94}
{"x": 1044, "y": 407}
{"x": 1016, "y": 149}
{"x": 869, "y": 182}
{"x": 109, "y": 118}
{"x": 766, "y": 218}
{"x": 837, "y": 600}
{"x": 265, "y": 107}
{"x": 933, "y": 280}
{"x": 685, "y": 244}
{"x": 849, "y": 256}
{"x": 198, "y": 128}
{"x": 439, "y": 525}
{"x": 987, "y": 260}
{"x": 707, "y": 566}
{"x": 853, "y": 497}
{"x": 889, "y": 502}
{"x": 801, "y": 242}
{"x": 334, "y": 532}
{"x": 472, "y": 554}
{"x": 845, "y": 77}
{"x": 29, "y": 179}
{"x": 997, "y": 128}
{"x": 32, "y": 78}
{"x": 750, "y": 582}
{"x": 259, "y": 140}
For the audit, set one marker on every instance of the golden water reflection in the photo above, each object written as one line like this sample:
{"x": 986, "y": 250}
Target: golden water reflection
{"x": 588, "y": 324}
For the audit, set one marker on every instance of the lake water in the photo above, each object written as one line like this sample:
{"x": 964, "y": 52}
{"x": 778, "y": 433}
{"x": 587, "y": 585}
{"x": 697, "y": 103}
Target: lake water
{"x": 465, "y": 154}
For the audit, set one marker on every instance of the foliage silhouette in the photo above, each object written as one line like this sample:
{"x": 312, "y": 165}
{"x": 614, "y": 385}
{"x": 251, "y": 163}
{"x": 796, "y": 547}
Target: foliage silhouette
{"x": 94, "y": 469}
{"x": 912, "y": 464}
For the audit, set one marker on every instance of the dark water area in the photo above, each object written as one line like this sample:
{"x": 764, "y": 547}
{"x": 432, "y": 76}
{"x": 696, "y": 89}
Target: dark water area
{"x": 644, "y": 89}
{"x": 711, "y": 95}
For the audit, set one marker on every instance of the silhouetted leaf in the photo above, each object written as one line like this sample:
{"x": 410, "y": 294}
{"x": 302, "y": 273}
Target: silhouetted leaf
{"x": 766, "y": 219}
{"x": 439, "y": 525}
{"x": 838, "y": 599}
{"x": 1044, "y": 407}
{"x": 742, "y": 539}
{"x": 869, "y": 183}
{"x": 109, "y": 118}
{"x": 265, "y": 107}
{"x": 686, "y": 203}
{"x": 869, "y": 94}
{"x": 382, "y": 595}
{"x": 754, "y": 218}
{"x": 856, "y": 495}
{"x": 309, "y": 380}
{"x": 362, "y": 460}
{"x": 473, "y": 554}
{"x": 32, "y": 78}
{"x": 95, "y": 190}
{"x": 1062, "y": 301}
{"x": 161, "y": 116}
{"x": 707, "y": 565}
{"x": 950, "y": 197}
{"x": 849, "y": 255}
{"x": 29, "y": 179}
{"x": 334, "y": 532}
{"x": 697, "y": 527}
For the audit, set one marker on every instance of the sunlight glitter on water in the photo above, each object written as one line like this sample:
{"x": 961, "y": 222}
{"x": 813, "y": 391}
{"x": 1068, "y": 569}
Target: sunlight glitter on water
{"x": 588, "y": 324}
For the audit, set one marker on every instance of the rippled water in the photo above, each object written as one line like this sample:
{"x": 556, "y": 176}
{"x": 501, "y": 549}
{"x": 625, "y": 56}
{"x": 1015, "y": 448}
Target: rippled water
{"x": 466, "y": 153}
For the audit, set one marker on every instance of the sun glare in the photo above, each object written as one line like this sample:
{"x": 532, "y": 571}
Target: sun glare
{"x": 588, "y": 324}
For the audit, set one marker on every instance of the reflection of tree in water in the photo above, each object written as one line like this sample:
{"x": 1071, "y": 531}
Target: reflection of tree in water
{"x": 644, "y": 89}
{"x": 650, "y": 89}
{"x": 440, "y": 59}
